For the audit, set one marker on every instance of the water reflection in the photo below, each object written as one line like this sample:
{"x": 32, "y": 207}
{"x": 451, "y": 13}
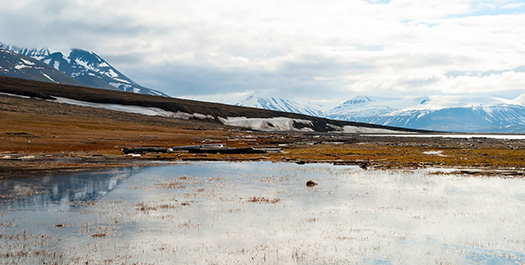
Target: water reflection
{"x": 263, "y": 213}
{"x": 61, "y": 189}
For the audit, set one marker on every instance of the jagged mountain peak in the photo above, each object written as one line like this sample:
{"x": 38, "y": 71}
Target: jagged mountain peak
{"x": 20, "y": 66}
{"x": 358, "y": 100}
{"x": 86, "y": 67}
{"x": 37, "y": 53}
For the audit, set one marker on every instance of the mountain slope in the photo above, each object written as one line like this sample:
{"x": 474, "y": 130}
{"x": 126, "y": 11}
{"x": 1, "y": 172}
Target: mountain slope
{"x": 359, "y": 108}
{"x": 87, "y": 68}
{"x": 20, "y": 66}
{"x": 280, "y": 104}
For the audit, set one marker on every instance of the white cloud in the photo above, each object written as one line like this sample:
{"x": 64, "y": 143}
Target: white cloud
{"x": 329, "y": 49}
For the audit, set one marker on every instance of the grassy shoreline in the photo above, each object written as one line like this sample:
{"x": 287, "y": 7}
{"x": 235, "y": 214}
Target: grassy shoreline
{"x": 40, "y": 136}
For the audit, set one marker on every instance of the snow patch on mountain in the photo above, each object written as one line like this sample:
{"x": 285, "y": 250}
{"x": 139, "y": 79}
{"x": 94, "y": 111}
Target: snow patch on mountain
{"x": 86, "y": 67}
{"x": 35, "y": 53}
{"x": 48, "y": 77}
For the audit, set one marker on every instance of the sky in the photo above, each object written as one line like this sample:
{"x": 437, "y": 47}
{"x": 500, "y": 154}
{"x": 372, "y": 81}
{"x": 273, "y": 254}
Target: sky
{"x": 307, "y": 50}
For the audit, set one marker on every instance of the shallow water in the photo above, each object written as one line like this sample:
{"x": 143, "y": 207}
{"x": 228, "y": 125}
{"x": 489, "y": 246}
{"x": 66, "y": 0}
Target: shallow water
{"x": 261, "y": 213}
{"x": 457, "y": 135}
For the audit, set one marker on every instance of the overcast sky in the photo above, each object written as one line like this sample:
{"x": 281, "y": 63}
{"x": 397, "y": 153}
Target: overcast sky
{"x": 326, "y": 50}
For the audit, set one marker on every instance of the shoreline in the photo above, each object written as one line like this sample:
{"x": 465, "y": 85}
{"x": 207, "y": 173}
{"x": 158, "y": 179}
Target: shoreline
{"x": 40, "y": 136}
{"x": 33, "y": 167}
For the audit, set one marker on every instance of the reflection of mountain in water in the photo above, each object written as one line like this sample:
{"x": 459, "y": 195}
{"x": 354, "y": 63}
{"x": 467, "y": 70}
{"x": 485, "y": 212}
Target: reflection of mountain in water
{"x": 62, "y": 189}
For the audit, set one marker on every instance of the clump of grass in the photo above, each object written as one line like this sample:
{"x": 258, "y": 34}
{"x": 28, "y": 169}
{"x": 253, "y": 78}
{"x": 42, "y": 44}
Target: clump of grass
{"x": 166, "y": 206}
{"x": 99, "y": 235}
{"x": 264, "y": 200}
{"x": 143, "y": 207}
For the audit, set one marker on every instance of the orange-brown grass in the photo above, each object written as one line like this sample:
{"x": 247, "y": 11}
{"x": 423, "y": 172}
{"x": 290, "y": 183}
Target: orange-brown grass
{"x": 411, "y": 156}
{"x": 52, "y": 126}
{"x": 37, "y": 127}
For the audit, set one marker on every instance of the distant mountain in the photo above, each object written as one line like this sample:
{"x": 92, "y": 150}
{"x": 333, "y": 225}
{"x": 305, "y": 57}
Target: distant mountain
{"x": 459, "y": 113}
{"x": 360, "y": 108}
{"x": 86, "y": 67}
{"x": 440, "y": 113}
{"x": 279, "y": 104}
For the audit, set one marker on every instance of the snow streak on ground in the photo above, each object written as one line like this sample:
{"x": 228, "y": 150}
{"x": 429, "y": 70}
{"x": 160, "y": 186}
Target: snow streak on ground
{"x": 150, "y": 111}
{"x": 267, "y": 124}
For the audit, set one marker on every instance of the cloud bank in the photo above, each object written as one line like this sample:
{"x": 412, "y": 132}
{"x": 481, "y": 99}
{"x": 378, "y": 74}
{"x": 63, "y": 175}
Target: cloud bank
{"x": 304, "y": 50}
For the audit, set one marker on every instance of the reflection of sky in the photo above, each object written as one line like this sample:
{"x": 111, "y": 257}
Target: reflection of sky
{"x": 352, "y": 216}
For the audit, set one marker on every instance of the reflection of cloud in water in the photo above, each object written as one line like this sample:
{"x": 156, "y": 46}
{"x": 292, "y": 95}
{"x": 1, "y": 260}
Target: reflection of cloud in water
{"x": 206, "y": 212}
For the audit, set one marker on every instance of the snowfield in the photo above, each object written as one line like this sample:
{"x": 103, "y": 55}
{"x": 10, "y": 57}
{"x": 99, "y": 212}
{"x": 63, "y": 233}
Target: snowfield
{"x": 150, "y": 111}
{"x": 358, "y": 129}
{"x": 267, "y": 124}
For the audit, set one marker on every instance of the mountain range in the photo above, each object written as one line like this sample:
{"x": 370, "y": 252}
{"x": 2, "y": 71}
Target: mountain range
{"x": 195, "y": 112}
{"x": 437, "y": 113}
{"x": 80, "y": 68}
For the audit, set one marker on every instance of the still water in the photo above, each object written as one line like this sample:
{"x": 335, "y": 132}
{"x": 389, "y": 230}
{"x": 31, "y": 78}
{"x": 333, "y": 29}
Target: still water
{"x": 261, "y": 213}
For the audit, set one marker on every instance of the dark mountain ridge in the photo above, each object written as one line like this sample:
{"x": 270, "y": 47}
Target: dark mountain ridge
{"x": 87, "y": 68}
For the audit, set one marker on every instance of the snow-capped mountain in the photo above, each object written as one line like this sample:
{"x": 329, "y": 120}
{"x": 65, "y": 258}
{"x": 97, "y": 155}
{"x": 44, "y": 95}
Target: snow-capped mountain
{"x": 86, "y": 67}
{"x": 460, "y": 114}
{"x": 20, "y": 66}
{"x": 35, "y": 53}
{"x": 442, "y": 113}
{"x": 281, "y": 104}
{"x": 361, "y": 108}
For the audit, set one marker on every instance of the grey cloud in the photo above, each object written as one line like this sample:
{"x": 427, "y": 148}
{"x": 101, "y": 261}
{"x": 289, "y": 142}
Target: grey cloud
{"x": 183, "y": 80}
{"x": 50, "y": 25}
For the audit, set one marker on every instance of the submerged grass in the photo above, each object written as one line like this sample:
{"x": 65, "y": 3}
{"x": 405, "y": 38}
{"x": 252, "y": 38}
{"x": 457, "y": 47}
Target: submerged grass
{"x": 263, "y": 213}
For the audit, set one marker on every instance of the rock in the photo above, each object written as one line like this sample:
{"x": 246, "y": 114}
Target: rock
{"x": 311, "y": 183}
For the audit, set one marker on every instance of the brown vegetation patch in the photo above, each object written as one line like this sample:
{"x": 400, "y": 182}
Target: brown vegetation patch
{"x": 264, "y": 200}
{"x": 99, "y": 235}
